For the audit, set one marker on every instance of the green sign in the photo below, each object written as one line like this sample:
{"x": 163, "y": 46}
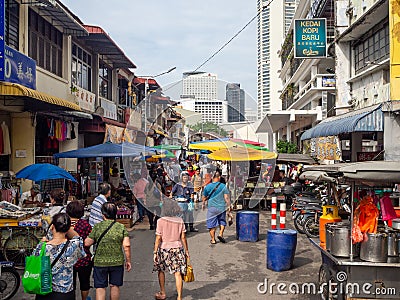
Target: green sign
{"x": 310, "y": 38}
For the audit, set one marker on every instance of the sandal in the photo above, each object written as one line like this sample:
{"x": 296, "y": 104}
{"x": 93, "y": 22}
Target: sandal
{"x": 221, "y": 239}
{"x": 213, "y": 242}
{"x": 160, "y": 296}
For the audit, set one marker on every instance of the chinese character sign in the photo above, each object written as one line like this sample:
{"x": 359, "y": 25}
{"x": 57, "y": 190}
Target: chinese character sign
{"x": 19, "y": 68}
{"x": 2, "y": 36}
{"x": 310, "y": 38}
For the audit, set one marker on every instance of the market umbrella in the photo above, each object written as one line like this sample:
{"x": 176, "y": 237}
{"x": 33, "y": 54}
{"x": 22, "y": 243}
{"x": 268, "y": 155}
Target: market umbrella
{"x": 107, "y": 150}
{"x": 39, "y": 172}
{"x": 226, "y": 143}
{"x": 168, "y": 147}
{"x": 241, "y": 154}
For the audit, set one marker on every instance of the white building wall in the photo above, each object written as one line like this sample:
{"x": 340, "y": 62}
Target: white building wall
{"x": 271, "y": 26}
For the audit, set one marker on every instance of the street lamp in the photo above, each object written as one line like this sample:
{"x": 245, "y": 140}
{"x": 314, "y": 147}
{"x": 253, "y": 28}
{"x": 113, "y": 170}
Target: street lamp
{"x": 146, "y": 88}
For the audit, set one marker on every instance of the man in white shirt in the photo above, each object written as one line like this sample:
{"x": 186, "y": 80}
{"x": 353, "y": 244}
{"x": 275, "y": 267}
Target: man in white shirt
{"x": 31, "y": 198}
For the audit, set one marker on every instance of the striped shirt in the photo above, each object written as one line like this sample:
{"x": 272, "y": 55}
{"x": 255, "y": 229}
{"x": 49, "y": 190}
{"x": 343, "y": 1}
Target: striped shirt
{"x": 95, "y": 212}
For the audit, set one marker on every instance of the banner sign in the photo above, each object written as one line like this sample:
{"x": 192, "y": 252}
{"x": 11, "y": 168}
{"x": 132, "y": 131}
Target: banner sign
{"x": 2, "y": 38}
{"x": 86, "y": 99}
{"x": 110, "y": 109}
{"x": 15, "y": 67}
{"x": 19, "y": 68}
{"x": 310, "y": 38}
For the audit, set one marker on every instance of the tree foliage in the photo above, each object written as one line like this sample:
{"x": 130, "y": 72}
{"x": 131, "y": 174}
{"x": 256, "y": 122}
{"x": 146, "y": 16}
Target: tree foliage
{"x": 286, "y": 147}
{"x": 209, "y": 127}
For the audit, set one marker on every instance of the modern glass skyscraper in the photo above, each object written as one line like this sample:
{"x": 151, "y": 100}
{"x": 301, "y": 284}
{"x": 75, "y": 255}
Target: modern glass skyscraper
{"x": 273, "y": 22}
{"x": 235, "y": 98}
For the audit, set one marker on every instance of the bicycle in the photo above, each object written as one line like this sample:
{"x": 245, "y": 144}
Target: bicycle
{"x": 19, "y": 244}
{"x": 9, "y": 280}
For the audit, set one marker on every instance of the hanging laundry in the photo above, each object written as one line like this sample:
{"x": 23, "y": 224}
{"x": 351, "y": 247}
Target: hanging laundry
{"x": 50, "y": 124}
{"x": 63, "y": 131}
{"x": 73, "y": 135}
{"x": 68, "y": 134}
{"x": 6, "y": 139}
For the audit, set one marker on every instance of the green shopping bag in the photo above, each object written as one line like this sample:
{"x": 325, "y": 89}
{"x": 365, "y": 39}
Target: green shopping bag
{"x": 37, "y": 277}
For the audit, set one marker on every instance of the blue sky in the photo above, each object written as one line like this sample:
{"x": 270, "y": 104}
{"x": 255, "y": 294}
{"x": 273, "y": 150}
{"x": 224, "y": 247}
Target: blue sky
{"x": 158, "y": 35}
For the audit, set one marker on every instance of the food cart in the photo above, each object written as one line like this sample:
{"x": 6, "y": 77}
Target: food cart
{"x": 348, "y": 276}
{"x": 20, "y": 231}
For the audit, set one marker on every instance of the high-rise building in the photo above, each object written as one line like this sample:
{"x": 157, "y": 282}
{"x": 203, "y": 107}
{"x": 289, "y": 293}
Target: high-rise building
{"x": 201, "y": 85}
{"x": 273, "y": 22}
{"x": 199, "y": 94}
{"x": 235, "y": 98}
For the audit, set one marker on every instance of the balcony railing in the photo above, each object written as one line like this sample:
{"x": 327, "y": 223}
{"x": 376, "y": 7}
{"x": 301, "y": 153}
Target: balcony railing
{"x": 321, "y": 81}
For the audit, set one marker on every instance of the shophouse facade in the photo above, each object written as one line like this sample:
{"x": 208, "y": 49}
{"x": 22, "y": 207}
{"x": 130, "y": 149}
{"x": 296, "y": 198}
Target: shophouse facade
{"x": 64, "y": 85}
{"x": 308, "y": 92}
{"x": 366, "y": 124}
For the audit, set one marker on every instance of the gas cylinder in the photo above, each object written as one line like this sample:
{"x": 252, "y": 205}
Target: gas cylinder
{"x": 330, "y": 214}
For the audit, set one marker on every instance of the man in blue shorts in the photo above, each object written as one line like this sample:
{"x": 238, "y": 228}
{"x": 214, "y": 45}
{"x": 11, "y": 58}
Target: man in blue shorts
{"x": 217, "y": 199}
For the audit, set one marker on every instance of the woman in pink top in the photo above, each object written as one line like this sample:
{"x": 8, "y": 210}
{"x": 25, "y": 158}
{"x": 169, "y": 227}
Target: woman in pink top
{"x": 170, "y": 248}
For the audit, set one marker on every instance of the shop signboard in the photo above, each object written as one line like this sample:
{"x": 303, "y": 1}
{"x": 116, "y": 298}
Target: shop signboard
{"x": 310, "y": 38}
{"x": 86, "y": 99}
{"x": 19, "y": 68}
{"x": 2, "y": 38}
{"x": 366, "y": 156}
{"x": 110, "y": 109}
{"x": 15, "y": 67}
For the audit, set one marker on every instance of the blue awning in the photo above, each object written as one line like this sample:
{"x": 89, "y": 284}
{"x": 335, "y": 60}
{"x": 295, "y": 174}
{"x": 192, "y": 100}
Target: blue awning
{"x": 366, "y": 119}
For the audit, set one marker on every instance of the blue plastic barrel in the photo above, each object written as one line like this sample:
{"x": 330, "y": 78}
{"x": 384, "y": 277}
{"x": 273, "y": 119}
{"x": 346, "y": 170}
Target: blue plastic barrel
{"x": 281, "y": 247}
{"x": 247, "y": 226}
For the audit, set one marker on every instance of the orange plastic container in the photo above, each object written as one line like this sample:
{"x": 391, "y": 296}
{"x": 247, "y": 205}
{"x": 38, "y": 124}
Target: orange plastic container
{"x": 330, "y": 214}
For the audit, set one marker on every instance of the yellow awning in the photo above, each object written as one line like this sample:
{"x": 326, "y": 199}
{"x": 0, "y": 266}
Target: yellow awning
{"x": 212, "y": 146}
{"x": 241, "y": 154}
{"x": 17, "y": 90}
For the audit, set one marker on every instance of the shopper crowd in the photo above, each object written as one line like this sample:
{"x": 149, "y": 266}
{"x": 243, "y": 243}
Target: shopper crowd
{"x": 97, "y": 246}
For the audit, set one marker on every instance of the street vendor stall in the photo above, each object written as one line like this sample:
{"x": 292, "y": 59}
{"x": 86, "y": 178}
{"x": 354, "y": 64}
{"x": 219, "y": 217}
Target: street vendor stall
{"x": 360, "y": 259}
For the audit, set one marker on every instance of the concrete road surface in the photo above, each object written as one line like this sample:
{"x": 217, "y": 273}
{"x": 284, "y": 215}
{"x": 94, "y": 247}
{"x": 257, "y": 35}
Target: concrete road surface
{"x": 224, "y": 271}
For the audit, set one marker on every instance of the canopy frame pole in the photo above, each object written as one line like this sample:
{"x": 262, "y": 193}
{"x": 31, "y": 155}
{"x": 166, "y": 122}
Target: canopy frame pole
{"x": 353, "y": 185}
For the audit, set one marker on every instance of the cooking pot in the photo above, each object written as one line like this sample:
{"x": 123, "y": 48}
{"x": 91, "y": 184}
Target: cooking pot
{"x": 393, "y": 259}
{"x": 396, "y": 224}
{"x": 341, "y": 241}
{"x": 374, "y": 247}
{"x": 328, "y": 233}
{"x": 393, "y": 245}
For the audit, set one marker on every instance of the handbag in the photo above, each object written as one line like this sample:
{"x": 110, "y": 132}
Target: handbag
{"x": 99, "y": 240}
{"x": 189, "y": 276}
{"x": 37, "y": 278}
{"x": 190, "y": 206}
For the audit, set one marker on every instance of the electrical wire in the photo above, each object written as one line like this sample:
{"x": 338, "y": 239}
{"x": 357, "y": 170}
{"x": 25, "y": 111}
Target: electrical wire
{"x": 228, "y": 42}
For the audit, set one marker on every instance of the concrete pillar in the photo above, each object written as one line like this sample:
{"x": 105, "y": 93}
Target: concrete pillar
{"x": 22, "y": 134}
{"x": 95, "y": 77}
{"x": 356, "y": 145}
{"x": 23, "y": 29}
{"x": 314, "y": 71}
{"x": 289, "y": 132}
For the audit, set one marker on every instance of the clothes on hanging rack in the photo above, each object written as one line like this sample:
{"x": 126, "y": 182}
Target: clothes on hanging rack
{"x": 61, "y": 130}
